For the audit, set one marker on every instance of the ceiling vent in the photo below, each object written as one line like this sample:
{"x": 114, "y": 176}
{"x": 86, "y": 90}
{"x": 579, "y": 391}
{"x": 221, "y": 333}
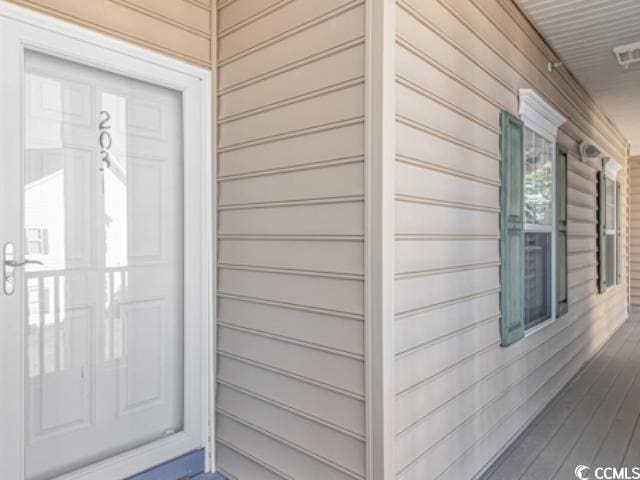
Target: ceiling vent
{"x": 627, "y": 54}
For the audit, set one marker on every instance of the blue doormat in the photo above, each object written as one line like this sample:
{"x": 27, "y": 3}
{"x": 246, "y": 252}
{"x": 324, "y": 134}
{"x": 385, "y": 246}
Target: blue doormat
{"x": 190, "y": 465}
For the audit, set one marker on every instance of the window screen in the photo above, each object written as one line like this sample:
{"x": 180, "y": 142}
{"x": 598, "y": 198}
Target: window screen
{"x": 537, "y": 281}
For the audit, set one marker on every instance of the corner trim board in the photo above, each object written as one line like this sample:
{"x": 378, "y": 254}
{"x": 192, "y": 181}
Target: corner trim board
{"x": 379, "y": 237}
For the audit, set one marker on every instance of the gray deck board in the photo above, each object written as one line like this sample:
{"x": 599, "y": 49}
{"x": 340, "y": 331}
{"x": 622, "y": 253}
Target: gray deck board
{"x": 595, "y": 420}
{"x": 587, "y": 446}
{"x": 528, "y": 448}
{"x": 632, "y": 455}
{"x": 619, "y": 436}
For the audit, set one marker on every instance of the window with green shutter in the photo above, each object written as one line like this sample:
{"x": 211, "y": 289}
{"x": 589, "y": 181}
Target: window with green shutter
{"x": 609, "y": 225}
{"x": 618, "y": 233}
{"x": 533, "y": 219}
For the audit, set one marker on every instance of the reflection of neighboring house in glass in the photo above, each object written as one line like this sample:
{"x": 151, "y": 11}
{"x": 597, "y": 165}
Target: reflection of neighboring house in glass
{"x": 44, "y": 216}
{"x": 37, "y": 241}
{"x": 44, "y": 241}
{"x": 57, "y": 229}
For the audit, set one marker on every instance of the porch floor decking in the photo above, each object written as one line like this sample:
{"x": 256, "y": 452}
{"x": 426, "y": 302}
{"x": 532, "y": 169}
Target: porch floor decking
{"x": 594, "y": 420}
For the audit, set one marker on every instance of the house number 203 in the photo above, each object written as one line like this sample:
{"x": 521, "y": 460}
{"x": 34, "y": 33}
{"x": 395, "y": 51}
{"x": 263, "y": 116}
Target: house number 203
{"x": 104, "y": 139}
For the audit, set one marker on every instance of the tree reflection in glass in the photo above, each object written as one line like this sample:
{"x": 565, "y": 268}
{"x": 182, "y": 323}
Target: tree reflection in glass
{"x": 538, "y": 180}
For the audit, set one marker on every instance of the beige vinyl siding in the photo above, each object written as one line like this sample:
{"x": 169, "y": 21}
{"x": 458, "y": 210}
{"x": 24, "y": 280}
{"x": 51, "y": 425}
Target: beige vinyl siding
{"x": 460, "y": 396}
{"x": 180, "y": 28}
{"x": 634, "y": 247}
{"x": 291, "y": 382}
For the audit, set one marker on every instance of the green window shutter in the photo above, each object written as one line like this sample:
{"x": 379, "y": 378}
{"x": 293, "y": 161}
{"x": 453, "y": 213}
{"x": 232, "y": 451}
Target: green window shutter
{"x": 562, "y": 300}
{"x": 602, "y": 231}
{"x": 511, "y": 229}
{"x": 618, "y": 234}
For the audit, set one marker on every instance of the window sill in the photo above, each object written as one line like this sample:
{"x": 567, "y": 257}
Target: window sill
{"x": 610, "y": 287}
{"x": 537, "y": 328}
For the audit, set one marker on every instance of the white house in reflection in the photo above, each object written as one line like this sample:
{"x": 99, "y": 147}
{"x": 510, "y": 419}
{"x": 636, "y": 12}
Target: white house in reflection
{"x": 60, "y": 183}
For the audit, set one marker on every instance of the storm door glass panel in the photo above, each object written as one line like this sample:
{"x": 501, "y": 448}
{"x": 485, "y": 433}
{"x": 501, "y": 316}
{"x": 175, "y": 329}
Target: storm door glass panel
{"x": 103, "y": 214}
{"x": 538, "y": 202}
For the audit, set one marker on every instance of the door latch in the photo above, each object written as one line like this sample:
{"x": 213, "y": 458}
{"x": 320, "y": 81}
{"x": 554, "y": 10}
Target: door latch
{"x": 10, "y": 265}
{"x": 8, "y": 273}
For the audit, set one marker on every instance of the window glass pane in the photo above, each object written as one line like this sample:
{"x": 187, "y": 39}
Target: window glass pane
{"x": 538, "y": 179}
{"x": 611, "y": 260}
{"x": 537, "y": 278}
{"x": 611, "y": 205}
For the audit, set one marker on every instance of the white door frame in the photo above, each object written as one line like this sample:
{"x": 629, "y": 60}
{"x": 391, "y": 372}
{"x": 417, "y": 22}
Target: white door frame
{"x": 20, "y": 29}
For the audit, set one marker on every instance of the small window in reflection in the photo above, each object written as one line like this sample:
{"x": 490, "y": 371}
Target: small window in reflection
{"x": 37, "y": 241}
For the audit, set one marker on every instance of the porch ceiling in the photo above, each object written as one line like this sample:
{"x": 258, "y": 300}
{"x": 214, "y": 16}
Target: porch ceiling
{"x": 583, "y": 33}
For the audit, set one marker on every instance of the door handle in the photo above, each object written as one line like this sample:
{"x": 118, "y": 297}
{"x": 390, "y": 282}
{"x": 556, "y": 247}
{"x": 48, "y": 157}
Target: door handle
{"x": 9, "y": 267}
{"x": 8, "y": 275}
{"x": 14, "y": 264}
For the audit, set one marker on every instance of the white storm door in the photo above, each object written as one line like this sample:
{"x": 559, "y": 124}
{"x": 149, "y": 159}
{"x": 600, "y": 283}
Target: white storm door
{"x": 96, "y": 305}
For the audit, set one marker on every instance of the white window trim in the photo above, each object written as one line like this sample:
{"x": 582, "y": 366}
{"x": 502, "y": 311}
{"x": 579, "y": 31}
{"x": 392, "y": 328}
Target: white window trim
{"x": 611, "y": 168}
{"x": 536, "y": 227}
{"x": 540, "y": 117}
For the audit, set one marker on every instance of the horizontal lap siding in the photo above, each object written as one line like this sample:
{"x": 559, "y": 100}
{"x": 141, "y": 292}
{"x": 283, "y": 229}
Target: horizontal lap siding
{"x": 180, "y": 28}
{"x": 291, "y": 393}
{"x": 460, "y": 397}
{"x": 634, "y": 246}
